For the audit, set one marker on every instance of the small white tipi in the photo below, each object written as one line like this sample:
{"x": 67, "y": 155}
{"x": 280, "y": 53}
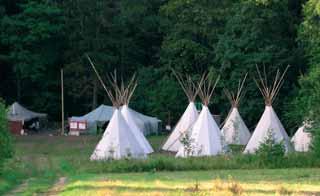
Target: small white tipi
{"x": 204, "y": 137}
{"x": 118, "y": 140}
{"x": 302, "y": 139}
{"x": 269, "y": 123}
{"x": 128, "y": 115}
{"x": 187, "y": 119}
{"x": 235, "y": 130}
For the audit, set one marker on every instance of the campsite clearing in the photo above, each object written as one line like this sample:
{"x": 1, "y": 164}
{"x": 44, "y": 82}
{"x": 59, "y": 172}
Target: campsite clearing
{"x": 45, "y": 160}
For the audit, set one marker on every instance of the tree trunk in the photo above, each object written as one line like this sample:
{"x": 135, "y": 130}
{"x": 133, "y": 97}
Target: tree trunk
{"x": 19, "y": 88}
{"x": 95, "y": 94}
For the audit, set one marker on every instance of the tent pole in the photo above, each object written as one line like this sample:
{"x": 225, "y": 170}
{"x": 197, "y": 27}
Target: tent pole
{"x": 62, "y": 104}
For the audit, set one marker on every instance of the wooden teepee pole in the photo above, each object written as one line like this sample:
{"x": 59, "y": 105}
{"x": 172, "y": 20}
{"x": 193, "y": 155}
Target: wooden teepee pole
{"x": 62, "y": 103}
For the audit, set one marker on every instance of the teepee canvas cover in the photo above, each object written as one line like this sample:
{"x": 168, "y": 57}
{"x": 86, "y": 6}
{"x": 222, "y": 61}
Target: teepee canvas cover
{"x": 128, "y": 115}
{"x": 301, "y": 139}
{"x": 235, "y": 130}
{"x": 205, "y": 135}
{"x": 118, "y": 140}
{"x": 187, "y": 119}
{"x": 269, "y": 123}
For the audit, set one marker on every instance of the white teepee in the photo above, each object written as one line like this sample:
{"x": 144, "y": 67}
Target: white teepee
{"x": 302, "y": 139}
{"x": 188, "y": 118}
{"x": 205, "y": 136}
{"x": 269, "y": 123}
{"x": 128, "y": 115}
{"x": 118, "y": 140}
{"x": 235, "y": 130}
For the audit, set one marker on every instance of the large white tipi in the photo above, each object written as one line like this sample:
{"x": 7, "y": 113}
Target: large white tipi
{"x": 302, "y": 139}
{"x": 188, "y": 118}
{"x": 205, "y": 137}
{"x": 269, "y": 124}
{"x": 118, "y": 140}
{"x": 235, "y": 130}
{"x": 128, "y": 115}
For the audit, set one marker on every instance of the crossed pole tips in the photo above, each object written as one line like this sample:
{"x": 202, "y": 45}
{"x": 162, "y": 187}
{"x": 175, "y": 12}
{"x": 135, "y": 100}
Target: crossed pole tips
{"x": 270, "y": 92}
{"x": 121, "y": 93}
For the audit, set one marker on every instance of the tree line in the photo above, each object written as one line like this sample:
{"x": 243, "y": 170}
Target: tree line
{"x": 228, "y": 38}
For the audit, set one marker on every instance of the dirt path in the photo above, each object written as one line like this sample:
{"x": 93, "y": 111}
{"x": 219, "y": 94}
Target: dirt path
{"x": 57, "y": 187}
{"x": 19, "y": 189}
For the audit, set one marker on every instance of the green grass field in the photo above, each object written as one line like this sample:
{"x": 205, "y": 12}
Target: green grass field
{"x": 45, "y": 165}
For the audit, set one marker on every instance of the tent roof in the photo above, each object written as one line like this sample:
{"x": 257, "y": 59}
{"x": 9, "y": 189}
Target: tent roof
{"x": 104, "y": 113}
{"x": 18, "y": 112}
{"x": 101, "y": 113}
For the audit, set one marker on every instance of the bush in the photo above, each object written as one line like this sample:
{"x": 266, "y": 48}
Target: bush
{"x": 270, "y": 152}
{"x": 5, "y": 139}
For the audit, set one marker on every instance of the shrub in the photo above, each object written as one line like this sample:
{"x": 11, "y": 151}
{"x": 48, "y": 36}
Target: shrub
{"x": 271, "y": 152}
{"x": 5, "y": 139}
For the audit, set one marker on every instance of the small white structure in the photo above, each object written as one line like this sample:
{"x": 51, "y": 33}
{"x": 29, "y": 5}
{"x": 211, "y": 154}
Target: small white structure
{"x": 187, "y": 119}
{"x": 269, "y": 123}
{"x": 205, "y": 135}
{"x": 119, "y": 140}
{"x": 235, "y": 130}
{"x": 128, "y": 114}
{"x": 302, "y": 139}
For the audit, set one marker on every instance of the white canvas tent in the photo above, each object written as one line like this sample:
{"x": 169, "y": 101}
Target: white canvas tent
{"x": 235, "y": 130}
{"x": 103, "y": 113}
{"x": 118, "y": 141}
{"x": 129, "y": 115}
{"x": 188, "y": 118}
{"x": 17, "y": 112}
{"x": 269, "y": 124}
{"x": 205, "y": 135}
{"x": 148, "y": 125}
{"x": 301, "y": 139}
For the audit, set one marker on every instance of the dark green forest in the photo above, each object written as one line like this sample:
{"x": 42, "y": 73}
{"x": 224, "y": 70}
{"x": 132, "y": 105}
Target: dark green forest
{"x": 228, "y": 38}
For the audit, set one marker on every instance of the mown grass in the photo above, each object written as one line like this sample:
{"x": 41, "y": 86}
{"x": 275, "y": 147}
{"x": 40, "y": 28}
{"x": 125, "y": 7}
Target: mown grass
{"x": 44, "y": 159}
{"x": 218, "y": 182}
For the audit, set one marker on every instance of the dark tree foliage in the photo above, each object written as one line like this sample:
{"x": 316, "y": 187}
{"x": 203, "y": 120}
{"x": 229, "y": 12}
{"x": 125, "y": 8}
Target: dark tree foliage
{"x": 227, "y": 38}
{"x": 117, "y": 35}
{"x": 34, "y": 40}
{"x": 258, "y": 33}
{"x": 5, "y": 138}
{"x": 306, "y": 105}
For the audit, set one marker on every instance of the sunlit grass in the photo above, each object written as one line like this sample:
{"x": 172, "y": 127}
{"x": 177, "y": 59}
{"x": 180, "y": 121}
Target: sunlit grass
{"x": 224, "y": 182}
